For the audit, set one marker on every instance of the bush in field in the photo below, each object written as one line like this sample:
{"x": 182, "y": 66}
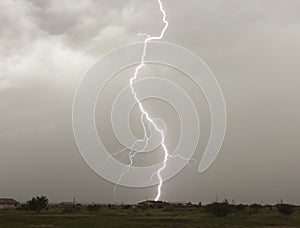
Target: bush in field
{"x": 93, "y": 207}
{"x": 240, "y": 207}
{"x": 219, "y": 209}
{"x": 125, "y": 206}
{"x": 285, "y": 209}
{"x": 37, "y": 204}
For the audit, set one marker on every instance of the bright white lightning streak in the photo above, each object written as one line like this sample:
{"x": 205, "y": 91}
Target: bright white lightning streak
{"x": 144, "y": 114}
{"x": 141, "y": 107}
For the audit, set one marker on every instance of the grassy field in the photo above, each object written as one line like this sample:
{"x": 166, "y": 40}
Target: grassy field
{"x": 132, "y": 217}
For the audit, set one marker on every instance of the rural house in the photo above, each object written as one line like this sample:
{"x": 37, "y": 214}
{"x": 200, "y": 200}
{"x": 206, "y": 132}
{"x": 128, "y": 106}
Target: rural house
{"x": 6, "y": 203}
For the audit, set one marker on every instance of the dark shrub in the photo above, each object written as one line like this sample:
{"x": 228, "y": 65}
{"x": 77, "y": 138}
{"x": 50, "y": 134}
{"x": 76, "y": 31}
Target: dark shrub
{"x": 37, "y": 204}
{"x": 219, "y": 209}
{"x": 240, "y": 207}
{"x": 93, "y": 207}
{"x": 125, "y": 206}
{"x": 285, "y": 209}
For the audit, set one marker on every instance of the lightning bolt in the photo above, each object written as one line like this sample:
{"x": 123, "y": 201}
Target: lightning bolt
{"x": 145, "y": 115}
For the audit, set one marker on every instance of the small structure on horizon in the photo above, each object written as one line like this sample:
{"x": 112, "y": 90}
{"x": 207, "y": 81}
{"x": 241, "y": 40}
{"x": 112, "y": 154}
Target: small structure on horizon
{"x": 67, "y": 204}
{"x": 8, "y": 203}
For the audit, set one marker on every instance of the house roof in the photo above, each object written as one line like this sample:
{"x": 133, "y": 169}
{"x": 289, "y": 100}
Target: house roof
{"x": 8, "y": 201}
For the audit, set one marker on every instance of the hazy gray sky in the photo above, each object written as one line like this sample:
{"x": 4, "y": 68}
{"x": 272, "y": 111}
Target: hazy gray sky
{"x": 251, "y": 46}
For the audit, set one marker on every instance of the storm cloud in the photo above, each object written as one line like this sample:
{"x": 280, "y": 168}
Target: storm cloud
{"x": 251, "y": 46}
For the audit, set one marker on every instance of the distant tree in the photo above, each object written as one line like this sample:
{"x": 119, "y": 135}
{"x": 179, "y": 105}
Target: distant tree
{"x": 37, "y": 204}
{"x": 285, "y": 209}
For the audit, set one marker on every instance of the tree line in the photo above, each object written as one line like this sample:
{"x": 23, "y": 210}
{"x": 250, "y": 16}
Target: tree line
{"x": 219, "y": 209}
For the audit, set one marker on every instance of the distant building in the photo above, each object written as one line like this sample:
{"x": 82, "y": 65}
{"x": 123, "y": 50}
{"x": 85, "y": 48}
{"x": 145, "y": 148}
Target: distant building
{"x": 67, "y": 204}
{"x": 6, "y": 203}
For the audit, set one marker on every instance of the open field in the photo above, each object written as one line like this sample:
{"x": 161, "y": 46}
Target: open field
{"x": 138, "y": 217}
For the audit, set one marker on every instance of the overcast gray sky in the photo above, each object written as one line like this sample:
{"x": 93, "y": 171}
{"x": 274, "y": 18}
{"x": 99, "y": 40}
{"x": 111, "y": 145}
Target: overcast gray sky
{"x": 251, "y": 46}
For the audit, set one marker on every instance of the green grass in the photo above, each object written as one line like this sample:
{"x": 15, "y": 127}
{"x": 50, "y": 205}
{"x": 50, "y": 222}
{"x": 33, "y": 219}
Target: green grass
{"x": 105, "y": 217}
